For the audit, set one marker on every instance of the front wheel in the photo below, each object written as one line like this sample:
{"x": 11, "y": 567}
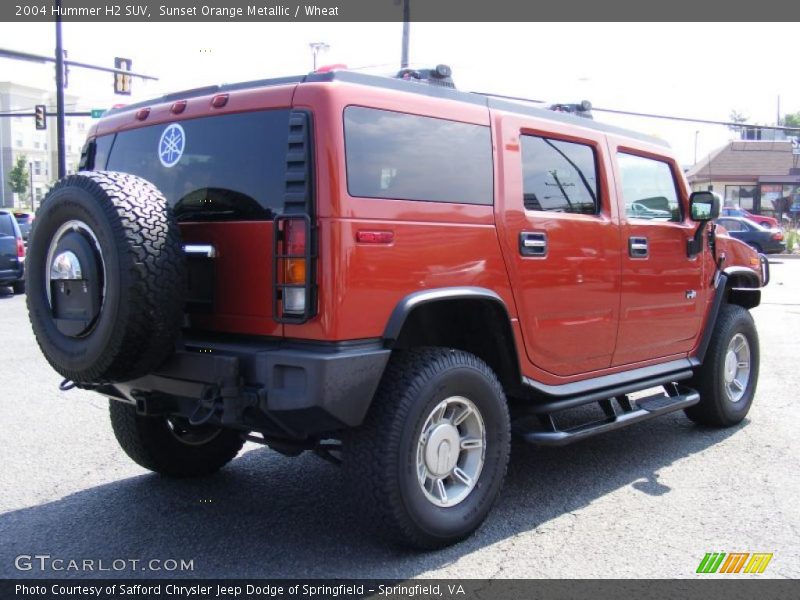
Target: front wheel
{"x": 170, "y": 445}
{"x": 728, "y": 376}
{"x": 429, "y": 461}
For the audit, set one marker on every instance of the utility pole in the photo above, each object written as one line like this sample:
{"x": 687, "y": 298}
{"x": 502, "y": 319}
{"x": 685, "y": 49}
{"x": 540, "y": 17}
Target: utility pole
{"x": 62, "y": 158}
{"x": 30, "y": 174}
{"x": 406, "y": 32}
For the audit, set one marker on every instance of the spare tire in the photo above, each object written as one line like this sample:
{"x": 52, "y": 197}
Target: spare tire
{"x": 106, "y": 277}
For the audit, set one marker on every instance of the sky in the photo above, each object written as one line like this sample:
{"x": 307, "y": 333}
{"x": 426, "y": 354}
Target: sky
{"x": 702, "y": 70}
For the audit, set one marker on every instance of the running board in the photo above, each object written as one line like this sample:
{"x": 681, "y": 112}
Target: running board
{"x": 628, "y": 413}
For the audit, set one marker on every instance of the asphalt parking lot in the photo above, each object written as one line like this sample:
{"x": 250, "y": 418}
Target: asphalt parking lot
{"x": 648, "y": 501}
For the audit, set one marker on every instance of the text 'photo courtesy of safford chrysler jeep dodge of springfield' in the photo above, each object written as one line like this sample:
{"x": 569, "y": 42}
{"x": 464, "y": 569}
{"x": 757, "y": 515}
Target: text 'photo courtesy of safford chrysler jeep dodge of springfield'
{"x": 389, "y": 272}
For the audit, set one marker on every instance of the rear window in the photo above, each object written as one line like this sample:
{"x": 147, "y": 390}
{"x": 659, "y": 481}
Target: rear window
{"x": 407, "y": 157}
{"x": 228, "y": 167}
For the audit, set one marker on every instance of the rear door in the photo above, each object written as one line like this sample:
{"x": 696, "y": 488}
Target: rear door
{"x": 560, "y": 234}
{"x": 225, "y": 176}
{"x": 663, "y": 296}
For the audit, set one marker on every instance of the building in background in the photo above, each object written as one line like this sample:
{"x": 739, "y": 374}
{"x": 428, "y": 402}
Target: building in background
{"x": 761, "y": 176}
{"x": 19, "y": 136}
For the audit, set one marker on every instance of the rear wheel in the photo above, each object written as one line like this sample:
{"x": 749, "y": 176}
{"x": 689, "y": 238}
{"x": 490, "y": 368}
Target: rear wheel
{"x": 728, "y": 376}
{"x": 428, "y": 462}
{"x": 170, "y": 445}
{"x": 19, "y": 286}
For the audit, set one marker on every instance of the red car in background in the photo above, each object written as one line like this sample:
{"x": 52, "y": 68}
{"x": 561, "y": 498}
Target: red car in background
{"x": 736, "y": 211}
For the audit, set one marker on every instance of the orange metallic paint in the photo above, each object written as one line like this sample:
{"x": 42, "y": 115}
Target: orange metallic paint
{"x": 584, "y": 311}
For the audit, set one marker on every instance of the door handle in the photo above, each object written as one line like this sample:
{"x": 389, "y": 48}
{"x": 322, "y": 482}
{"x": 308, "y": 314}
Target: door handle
{"x": 533, "y": 243}
{"x": 638, "y": 247}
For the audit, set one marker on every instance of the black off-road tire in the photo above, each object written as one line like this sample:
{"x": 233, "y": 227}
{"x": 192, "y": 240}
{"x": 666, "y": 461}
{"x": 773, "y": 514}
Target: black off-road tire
{"x": 380, "y": 456}
{"x": 138, "y": 240}
{"x": 716, "y": 407}
{"x": 19, "y": 286}
{"x": 155, "y": 443}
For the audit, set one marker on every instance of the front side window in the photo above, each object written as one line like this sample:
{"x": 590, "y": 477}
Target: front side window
{"x": 559, "y": 176}
{"x": 399, "y": 156}
{"x": 648, "y": 188}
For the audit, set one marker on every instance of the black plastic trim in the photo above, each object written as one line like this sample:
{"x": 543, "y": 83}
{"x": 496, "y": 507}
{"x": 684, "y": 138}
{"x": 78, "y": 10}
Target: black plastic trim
{"x": 398, "y": 317}
{"x": 609, "y": 392}
{"x": 719, "y": 298}
{"x": 605, "y": 382}
{"x": 306, "y": 390}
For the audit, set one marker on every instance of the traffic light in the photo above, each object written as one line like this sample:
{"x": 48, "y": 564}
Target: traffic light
{"x": 122, "y": 82}
{"x": 40, "y": 115}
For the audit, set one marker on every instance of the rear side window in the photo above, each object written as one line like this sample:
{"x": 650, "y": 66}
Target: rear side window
{"x": 407, "y": 157}
{"x": 648, "y": 188}
{"x": 559, "y": 176}
{"x": 7, "y": 225}
{"x": 227, "y": 167}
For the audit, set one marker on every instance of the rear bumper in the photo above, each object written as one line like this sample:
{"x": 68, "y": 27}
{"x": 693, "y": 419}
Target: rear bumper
{"x": 280, "y": 389}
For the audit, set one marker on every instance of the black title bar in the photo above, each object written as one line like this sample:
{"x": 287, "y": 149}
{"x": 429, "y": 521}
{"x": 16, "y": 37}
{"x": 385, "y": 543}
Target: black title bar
{"x": 392, "y": 10}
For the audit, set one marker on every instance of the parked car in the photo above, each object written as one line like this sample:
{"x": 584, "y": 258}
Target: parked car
{"x": 25, "y": 222}
{"x": 736, "y": 211}
{"x": 766, "y": 241}
{"x": 391, "y": 274}
{"x": 642, "y": 211}
{"x": 12, "y": 253}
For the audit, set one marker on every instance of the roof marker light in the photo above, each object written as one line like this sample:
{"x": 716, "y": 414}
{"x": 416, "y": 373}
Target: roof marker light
{"x": 142, "y": 114}
{"x": 178, "y": 107}
{"x": 219, "y": 100}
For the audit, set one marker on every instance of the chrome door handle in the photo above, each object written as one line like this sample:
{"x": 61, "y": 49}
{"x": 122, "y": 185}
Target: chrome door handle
{"x": 533, "y": 243}
{"x": 638, "y": 247}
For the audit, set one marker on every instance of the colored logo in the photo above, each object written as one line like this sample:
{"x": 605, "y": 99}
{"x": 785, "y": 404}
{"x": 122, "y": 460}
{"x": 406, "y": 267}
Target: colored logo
{"x": 734, "y": 562}
{"x": 171, "y": 145}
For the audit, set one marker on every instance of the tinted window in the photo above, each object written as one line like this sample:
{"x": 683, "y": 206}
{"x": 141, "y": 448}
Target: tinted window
{"x": 232, "y": 167}
{"x": 7, "y": 225}
{"x": 648, "y": 188}
{"x": 395, "y": 155}
{"x": 558, "y": 176}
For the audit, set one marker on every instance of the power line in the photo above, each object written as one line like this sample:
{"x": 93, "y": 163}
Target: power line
{"x": 652, "y": 115}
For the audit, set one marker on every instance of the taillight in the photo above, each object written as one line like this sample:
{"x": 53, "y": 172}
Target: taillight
{"x": 20, "y": 248}
{"x": 778, "y": 236}
{"x": 294, "y": 266}
{"x": 293, "y": 285}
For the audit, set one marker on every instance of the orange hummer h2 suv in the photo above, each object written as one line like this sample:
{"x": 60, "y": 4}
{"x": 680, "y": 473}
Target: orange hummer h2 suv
{"x": 392, "y": 273}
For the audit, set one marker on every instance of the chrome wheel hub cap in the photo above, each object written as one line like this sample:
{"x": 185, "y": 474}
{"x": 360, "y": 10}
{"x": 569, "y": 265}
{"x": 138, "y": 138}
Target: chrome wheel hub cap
{"x": 451, "y": 451}
{"x": 737, "y": 367}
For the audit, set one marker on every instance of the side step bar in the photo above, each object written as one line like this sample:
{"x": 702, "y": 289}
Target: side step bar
{"x": 642, "y": 410}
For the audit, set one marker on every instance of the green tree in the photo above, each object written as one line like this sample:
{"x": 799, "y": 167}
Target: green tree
{"x": 792, "y": 120}
{"x": 18, "y": 176}
{"x": 736, "y": 117}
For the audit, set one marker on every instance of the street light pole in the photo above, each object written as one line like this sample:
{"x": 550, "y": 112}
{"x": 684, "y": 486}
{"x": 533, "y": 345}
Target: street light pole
{"x": 316, "y": 48}
{"x": 62, "y": 159}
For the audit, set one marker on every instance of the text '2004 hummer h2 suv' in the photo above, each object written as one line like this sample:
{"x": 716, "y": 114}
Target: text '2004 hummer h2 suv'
{"x": 391, "y": 273}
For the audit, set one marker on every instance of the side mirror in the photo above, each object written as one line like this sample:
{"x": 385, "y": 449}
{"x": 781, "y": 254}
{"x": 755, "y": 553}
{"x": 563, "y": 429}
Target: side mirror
{"x": 704, "y": 206}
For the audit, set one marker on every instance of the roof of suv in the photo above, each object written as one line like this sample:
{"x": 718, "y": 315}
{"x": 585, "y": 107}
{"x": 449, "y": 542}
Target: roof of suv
{"x": 492, "y": 102}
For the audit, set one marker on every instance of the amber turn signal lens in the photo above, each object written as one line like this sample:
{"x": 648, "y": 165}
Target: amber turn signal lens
{"x": 294, "y": 271}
